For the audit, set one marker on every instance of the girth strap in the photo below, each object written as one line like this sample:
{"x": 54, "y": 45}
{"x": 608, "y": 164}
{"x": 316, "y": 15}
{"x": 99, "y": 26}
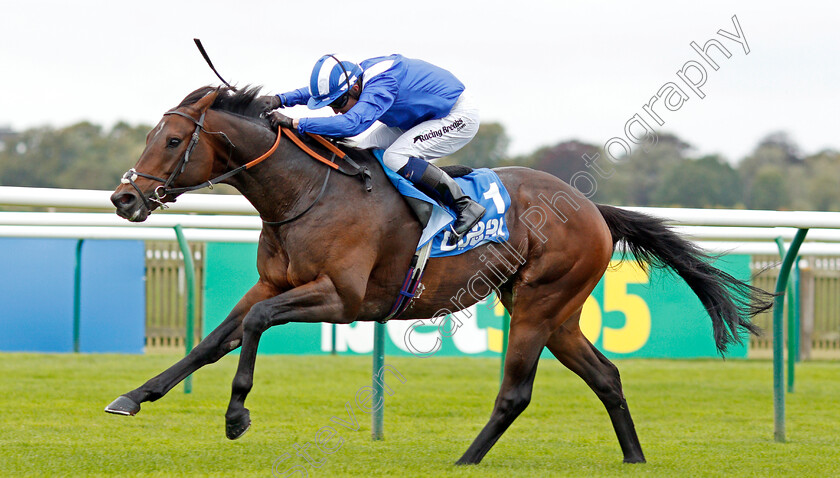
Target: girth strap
{"x": 412, "y": 287}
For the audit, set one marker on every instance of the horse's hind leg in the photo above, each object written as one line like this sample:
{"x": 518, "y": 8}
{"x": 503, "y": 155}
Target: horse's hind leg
{"x": 226, "y": 337}
{"x": 524, "y": 346}
{"x": 537, "y": 311}
{"x": 574, "y": 351}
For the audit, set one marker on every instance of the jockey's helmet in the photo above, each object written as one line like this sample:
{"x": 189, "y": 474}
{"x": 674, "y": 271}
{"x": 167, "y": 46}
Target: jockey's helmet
{"x": 330, "y": 79}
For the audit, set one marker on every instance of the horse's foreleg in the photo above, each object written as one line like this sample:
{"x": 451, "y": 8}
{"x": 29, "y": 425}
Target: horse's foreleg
{"x": 574, "y": 351}
{"x": 224, "y": 338}
{"x": 316, "y": 301}
{"x": 524, "y": 347}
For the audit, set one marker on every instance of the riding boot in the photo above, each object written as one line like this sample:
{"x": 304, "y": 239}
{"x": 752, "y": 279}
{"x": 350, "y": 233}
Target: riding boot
{"x": 442, "y": 188}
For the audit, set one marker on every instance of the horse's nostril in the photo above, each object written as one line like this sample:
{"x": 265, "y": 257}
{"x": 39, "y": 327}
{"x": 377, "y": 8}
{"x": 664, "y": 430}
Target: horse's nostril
{"x": 123, "y": 200}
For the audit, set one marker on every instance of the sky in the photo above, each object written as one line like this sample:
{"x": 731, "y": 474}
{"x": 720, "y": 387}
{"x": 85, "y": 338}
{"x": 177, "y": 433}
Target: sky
{"x": 549, "y": 71}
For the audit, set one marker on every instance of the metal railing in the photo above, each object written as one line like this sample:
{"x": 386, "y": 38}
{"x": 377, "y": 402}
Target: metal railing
{"x": 730, "y": 239}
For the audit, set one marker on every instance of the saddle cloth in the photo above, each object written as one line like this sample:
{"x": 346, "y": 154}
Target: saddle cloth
{"x": 482, "y": 185}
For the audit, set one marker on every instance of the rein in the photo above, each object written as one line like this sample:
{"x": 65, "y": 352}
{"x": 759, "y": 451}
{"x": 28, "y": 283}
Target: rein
{"x": 164, "y": 190}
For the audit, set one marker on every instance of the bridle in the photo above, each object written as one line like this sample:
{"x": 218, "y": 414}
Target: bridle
{"x": 164, "y": 190}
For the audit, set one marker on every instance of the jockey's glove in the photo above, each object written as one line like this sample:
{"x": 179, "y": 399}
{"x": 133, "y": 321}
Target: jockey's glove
{"x": 277, "y": 118}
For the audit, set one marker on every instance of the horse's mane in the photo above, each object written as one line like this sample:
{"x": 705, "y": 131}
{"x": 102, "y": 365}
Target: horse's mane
{"x": 240, "y": 102}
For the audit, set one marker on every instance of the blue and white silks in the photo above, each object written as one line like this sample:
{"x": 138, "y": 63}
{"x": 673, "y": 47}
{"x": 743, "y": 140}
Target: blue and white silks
{"x": 485, "y": 187}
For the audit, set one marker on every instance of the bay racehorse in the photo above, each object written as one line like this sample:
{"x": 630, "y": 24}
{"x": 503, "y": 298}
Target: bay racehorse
{"x": 339, "y": 254}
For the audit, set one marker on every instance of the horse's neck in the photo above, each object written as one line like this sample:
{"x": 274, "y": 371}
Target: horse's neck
{"x": 275, "y": 185}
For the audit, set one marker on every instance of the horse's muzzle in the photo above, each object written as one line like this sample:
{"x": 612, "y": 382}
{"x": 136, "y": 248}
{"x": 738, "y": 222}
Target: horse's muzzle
{"x": 130, "y": 206}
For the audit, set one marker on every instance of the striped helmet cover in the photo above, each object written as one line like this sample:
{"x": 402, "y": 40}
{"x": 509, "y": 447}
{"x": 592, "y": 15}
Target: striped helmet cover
{"x": 330, "y": 79}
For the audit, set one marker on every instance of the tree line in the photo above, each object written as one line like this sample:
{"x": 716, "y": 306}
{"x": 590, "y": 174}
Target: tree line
{"x": 776, "y": 175}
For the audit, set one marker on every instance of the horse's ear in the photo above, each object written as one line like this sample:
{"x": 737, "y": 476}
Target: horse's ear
{"x": 206, "y": 101}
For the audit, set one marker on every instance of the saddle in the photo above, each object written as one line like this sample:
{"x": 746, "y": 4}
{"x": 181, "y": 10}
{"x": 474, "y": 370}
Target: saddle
{"x": 422, "y": 207}
{"x": 422, "y": 210}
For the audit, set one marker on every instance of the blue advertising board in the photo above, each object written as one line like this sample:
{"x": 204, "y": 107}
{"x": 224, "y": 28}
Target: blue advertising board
{"x": 37, "y": 287}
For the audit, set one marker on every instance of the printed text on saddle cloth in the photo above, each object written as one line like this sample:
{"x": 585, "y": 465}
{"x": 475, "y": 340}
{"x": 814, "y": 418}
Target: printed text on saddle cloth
{"x": 492, "y": 227}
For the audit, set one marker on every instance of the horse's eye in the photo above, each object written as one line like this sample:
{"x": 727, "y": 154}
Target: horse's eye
{"x": 173, "y": 142}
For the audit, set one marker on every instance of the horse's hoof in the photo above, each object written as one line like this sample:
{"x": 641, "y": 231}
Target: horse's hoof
{"x": 236, "y": 426}
{"x": 123, "y": 406}
{"x": 635, "y": 459}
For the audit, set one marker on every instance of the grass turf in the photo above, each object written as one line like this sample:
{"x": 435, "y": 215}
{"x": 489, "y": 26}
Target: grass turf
{"x": 694, "y": 418}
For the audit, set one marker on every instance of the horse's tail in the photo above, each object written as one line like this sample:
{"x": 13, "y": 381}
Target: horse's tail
{"x": 730, "y": 302}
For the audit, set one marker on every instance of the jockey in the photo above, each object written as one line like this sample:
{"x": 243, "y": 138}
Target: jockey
{"x": 424, "y": 111}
